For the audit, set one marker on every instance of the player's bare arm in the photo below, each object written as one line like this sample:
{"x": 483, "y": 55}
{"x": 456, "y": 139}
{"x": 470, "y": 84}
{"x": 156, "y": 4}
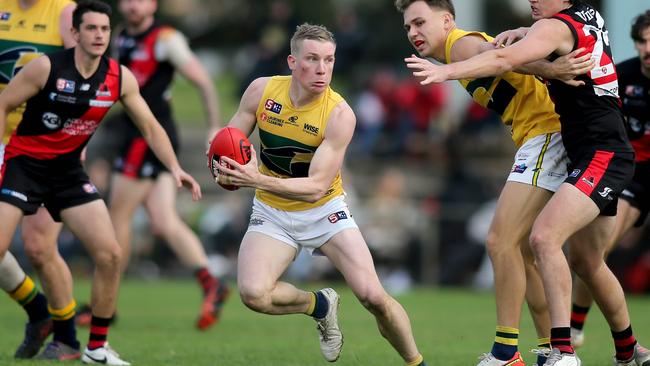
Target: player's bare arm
{"x": 564, "y": 68}
{"x": 189, "y": 66}
{"x": 509, "y": 37}
{"x": 545, "y": 37}
{"x": 327, "y": 161}
{"x": 244, "y": 118}
{"x": 27, "y": 83}
{"x": 153, "y": 133}
{"x": 65, "y": 26}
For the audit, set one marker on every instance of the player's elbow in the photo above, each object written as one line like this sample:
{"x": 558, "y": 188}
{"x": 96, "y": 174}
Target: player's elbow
{"x": 317, "y": 194}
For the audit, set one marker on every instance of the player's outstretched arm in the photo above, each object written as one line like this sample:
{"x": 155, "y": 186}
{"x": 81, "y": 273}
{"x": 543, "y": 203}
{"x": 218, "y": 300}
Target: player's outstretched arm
{"x": 27, "y": 83}
{"x": 544, "y": 37}
{"x": 325, "y": 164}
{"x": 509, "y": 37}
{"x": 564, "y": 68}
{"x": 172, "y": 46}
{"x": 153, "y": 133}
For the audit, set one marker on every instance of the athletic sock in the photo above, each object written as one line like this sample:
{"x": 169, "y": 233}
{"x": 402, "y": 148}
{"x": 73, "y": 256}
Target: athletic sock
{"x": 578, "y": 316}
{"x": 505, "y": 343}
{"x": 624, "y": 342}
{"x": 34, "y": 303}
{"x": 542, "y": 343}
{"x": 206, "y": 280}
{"x": 98, "y": 332}
{"x": 418, "y": 361}
{"x": 318, "y": 306}
{"x": 63, "y": 324}
{"x": 561, "y": 339}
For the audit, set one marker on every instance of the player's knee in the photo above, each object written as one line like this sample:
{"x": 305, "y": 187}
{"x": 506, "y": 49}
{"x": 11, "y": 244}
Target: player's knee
{"x": 255, "y": 297}
{"x": 38, "y": 248}
{"x": 540, "y": 243}
{"x": 374, "y": 299}
{"x": 495, "y": 244}
{"x": 109, "y": 257}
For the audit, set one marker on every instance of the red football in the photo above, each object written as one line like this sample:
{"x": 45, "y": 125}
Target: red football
{"x": 230, "y": 142}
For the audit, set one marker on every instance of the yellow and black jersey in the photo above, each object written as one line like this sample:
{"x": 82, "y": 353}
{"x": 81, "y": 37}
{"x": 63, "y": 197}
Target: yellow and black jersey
{"x": 289, "y": 137}
{"x": 522, "y": 101}
{"x": 24, "y": 35}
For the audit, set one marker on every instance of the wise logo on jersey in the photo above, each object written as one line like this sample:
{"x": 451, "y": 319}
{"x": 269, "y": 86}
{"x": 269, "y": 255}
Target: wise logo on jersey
{"x": 5, "y": 15}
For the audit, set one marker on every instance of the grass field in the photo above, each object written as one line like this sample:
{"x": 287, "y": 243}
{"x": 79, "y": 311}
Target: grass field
{"x": 452, "y": 327}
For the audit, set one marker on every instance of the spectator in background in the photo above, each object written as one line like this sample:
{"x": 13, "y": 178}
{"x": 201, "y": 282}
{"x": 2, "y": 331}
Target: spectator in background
{"x": 391, "y": 221}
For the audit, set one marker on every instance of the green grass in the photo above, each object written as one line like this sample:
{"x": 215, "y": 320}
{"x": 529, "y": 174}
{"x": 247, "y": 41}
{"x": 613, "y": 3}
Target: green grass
{"x": 452, "y": 327}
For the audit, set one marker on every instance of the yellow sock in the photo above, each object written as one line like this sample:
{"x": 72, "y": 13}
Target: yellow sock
{"x": 418, "y": 360}
{"x": 544, "y": 342}
{"x": 25, "y": 292}
{"x": 63, "y": 314}
{"x": 312, "y": 303}
{"x": 506, "y": 335}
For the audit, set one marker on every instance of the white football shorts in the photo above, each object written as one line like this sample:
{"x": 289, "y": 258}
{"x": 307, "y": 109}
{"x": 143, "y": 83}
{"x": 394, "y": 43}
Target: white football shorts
{"x": 307, "y": 229}
{"x": 541, "y": 162}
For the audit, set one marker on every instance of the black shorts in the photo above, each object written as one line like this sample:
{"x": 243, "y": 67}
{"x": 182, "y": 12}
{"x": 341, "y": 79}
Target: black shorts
{"x": 29, "y": 183}
{"x": 601, "y": 175}
{"x": 637, "y": 193}
{"x": 137, "y": 160}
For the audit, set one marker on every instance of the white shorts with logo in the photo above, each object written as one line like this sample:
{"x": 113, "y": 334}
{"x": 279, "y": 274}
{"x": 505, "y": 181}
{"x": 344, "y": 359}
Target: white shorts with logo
{"x": 541, "y": 162}
{"x": 307, "y": 229}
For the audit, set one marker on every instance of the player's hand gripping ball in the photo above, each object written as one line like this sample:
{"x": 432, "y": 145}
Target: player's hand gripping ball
{"x": 230, "y": 142}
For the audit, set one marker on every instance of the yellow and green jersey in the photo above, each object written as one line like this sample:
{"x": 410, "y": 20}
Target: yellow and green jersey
{"x": 289, "y": 137}
{"x": 24, "y": 35}
{"x": 522, "y": 101}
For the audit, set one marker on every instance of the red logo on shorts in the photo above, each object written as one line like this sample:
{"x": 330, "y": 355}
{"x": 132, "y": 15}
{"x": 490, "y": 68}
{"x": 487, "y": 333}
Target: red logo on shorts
{"x": 335, "y": 217}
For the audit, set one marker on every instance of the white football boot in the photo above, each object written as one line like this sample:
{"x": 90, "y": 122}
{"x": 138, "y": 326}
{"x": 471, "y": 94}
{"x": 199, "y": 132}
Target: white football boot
{"x": 103, "y": 355}
{"x": 329, "y": 334}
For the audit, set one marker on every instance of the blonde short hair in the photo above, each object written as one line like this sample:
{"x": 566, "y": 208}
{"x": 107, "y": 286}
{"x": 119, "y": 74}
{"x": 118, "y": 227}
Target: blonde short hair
{"x": 310, "y": 31}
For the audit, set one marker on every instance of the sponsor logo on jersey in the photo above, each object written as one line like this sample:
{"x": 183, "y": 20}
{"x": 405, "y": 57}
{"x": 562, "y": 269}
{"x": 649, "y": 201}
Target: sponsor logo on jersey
{"x": 273, "y": 106}
{"x": 310, "y": 129}
{"x": 84, "y": 87}
{"x": 64, "y": 85}
{"x": 62, "y": 98}
{"x": 103, "y": 91}
{"x": 78, "y": 127}
{"x": 293, "y": 120}
{"x": 39, "y": 27}
{"x": 274, "y": 121}
{"x": 335, "y": 217}
{"x": 11, "y": 193}
{"x": 519, "y": 168}
{"x": 5, "y": 15}
{"x": 21, "y": 23}
{"x": 101, "y": 103}
{"x": 51, "y": 120}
